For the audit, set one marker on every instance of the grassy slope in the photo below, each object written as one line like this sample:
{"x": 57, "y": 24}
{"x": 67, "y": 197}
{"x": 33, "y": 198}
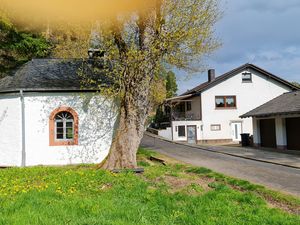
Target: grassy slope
{"x": 172, "y": 194}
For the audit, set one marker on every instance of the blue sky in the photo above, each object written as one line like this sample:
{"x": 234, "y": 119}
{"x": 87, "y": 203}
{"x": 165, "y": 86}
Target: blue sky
{"x": 265, "y": 33}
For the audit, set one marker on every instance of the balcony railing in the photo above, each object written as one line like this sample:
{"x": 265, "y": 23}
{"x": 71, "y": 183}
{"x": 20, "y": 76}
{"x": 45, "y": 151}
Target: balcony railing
{"x": 183, "y": 116}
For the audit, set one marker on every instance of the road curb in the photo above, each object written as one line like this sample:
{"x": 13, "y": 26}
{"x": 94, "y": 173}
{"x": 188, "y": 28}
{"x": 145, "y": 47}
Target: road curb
{"x": 219, "y": 152}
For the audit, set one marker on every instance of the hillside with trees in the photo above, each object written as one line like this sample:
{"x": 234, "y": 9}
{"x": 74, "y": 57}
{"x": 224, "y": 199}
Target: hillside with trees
{"x": 296, "y": 84}
{"x": 18, "y": 46}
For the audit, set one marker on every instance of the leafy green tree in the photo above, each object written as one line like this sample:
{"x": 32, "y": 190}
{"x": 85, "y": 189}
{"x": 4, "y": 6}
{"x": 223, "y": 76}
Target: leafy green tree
{"x": 171, "y": 89}
{"x": 17, "y": 47}
{"x": 178, "y": 33}
{"x": 171, "y": 85}
{"x": 296, "y": 84}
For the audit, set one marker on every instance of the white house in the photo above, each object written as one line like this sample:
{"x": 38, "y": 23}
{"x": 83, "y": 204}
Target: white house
{"x": 210, "y": 112}
{"x": 276, "y": 124}
{"x": 47, "y": 118}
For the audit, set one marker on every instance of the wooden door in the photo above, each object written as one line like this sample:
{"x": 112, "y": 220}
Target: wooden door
{"x": 268, "y": 133}
{"x": 293, "y": 133}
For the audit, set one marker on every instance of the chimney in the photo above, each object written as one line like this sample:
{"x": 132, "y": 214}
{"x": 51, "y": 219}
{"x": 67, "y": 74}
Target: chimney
{"x": 211, "y": 75}
{"x": 94, "y": 53}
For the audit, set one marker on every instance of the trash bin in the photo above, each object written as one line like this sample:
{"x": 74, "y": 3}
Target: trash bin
{"x": 245, "y": 139}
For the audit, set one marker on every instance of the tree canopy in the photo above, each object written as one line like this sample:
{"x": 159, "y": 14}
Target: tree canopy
{"x": 296, "y": 84}
{"x": 17, "y": 47}
{"x": 177, "y": 33}
{"x": 171, "y": 84}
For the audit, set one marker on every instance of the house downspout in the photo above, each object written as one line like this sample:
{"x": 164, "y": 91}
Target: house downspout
{"x": 23, "y": 163}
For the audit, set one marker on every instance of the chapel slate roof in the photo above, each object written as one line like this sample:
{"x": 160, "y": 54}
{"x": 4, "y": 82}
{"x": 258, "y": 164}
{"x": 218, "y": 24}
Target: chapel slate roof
{"x": 51, "y": 75}
{"x": 288, "y": 103}
{"x": 225, "y": 76}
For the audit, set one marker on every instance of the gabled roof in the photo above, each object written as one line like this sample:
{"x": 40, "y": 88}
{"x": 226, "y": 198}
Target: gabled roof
{"x": 225, "y": 76}
{"x": 50, "y": 75}
{"x": 288, "y": 103}
{"x": 176, "y": 98}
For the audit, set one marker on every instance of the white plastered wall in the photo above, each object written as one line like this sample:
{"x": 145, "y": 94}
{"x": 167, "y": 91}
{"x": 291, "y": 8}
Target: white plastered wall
{"x": 248, "y": 95}
{"x": 10, "y": 130}
{"x": 166, "y": 133}
{"x": 96, "y": 115}
{"x": 185, "y": 123}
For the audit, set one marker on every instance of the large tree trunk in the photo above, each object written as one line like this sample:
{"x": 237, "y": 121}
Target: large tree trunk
{"x": 132, "y": 116}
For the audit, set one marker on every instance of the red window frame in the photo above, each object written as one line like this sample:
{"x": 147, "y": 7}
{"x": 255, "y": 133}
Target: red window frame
{"x": 225, "y": 103}
{"x": 52, "y": 139}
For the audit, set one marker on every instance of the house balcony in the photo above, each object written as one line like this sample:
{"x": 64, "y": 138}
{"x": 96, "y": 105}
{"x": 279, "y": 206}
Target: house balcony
{"x": 185, "y": 116}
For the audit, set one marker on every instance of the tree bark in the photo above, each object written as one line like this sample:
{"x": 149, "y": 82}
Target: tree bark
{"x": 127, "y": 138}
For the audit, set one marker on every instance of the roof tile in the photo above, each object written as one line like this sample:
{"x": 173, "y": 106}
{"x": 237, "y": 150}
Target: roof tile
{"x": 235, "y": 71}
{"x": 288, "y": 103}
{"x": 49, "y": 74}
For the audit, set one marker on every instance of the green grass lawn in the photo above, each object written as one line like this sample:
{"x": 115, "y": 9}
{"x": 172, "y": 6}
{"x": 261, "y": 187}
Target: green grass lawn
{"x": 172, "y": 194}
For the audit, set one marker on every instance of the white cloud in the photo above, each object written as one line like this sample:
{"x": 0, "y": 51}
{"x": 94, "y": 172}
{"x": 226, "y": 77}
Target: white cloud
{"x": 264, "y": 33}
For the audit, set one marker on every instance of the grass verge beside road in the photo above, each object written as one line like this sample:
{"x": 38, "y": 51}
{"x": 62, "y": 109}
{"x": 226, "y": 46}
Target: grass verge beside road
{"x": 173, "y": 194}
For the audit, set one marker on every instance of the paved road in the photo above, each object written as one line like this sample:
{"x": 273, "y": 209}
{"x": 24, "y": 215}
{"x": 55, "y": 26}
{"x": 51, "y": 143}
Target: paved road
{"x": 275, "y": 177}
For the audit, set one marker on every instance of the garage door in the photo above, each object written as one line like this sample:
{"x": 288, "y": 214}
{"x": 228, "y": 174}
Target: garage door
{"x": 293, "y": 133}
{"x": 268, "y": 133}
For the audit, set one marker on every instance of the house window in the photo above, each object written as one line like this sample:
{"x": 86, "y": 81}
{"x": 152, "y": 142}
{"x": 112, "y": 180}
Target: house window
{"x": 188, "y": 106}
{"x": 181, "y": 131}
{"x": 63, "y": 127}
{"x": 246, "y": 77}
{"x": 225, "y": 101}
{"x": 181, "y": 107}
{"x": 215, "y": 127}
{"x": 220, "y": 102}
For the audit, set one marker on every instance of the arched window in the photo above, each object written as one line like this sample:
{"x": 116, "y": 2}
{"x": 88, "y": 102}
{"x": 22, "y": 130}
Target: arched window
{"x": 63, "y": 127}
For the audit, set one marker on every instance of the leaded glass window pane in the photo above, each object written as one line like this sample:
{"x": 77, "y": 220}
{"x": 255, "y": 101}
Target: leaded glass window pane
{"x": 64, "y": 123}
{"x": 59, "y": 124}
{"x": 69, "y": 124}
{"x": 59, "y": 136}
{"x": 69, "y": 133}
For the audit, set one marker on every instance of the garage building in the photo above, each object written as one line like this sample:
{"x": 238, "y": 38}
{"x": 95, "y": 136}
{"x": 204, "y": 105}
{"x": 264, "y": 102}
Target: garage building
{"x": 276, "y": 124}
